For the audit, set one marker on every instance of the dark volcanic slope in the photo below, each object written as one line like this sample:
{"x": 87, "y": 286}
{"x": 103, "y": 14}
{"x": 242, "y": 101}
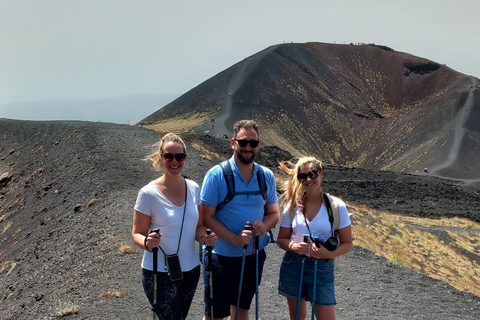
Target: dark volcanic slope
{"x": 54, "y": 251}
{"x": 356, "y": 105}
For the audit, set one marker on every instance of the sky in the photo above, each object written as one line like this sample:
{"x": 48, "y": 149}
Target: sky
{"x": 59, "y": 50}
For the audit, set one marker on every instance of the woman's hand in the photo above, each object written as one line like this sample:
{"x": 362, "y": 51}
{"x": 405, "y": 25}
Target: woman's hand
{"x": 320, "y": 253}
{"x": 153, "y": 240}
{"x": 300, "y": 248}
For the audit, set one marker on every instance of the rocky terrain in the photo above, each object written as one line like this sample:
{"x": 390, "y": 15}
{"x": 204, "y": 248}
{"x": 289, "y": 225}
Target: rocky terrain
{"x": 66, "y": 211}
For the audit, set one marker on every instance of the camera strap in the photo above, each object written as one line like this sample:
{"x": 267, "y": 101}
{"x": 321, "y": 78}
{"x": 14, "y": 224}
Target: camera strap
{"x": 181, "y": 229}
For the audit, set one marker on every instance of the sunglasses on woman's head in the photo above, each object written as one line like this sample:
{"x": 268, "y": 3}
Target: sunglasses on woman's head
{"x": 303, "y": 176}
{"x": 243, "y": 143}
{"x": 168, "y": 157}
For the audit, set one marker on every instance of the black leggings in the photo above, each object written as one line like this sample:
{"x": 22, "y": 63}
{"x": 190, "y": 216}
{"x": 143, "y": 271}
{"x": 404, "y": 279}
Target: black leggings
{"x": 173, "y": 297}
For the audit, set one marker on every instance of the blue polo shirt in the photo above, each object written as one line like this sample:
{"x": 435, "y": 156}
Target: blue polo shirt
{"x": 241, "y": 209}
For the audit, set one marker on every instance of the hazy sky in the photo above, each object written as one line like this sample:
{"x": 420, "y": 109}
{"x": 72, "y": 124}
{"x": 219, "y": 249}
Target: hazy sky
{"x": 70, "y": 49}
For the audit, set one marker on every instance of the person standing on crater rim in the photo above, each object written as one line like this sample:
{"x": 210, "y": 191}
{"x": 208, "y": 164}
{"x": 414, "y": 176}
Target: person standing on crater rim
{"x": 170, "y": 204}
{"x": 229, "y": 222}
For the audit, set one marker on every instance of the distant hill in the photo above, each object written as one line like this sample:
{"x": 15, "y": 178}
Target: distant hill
{"x": 121, "y": 109}
{"x": 352, "y": 105}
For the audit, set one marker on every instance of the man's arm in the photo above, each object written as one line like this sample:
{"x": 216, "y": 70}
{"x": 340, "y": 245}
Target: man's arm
{"x": 221, "y": 231}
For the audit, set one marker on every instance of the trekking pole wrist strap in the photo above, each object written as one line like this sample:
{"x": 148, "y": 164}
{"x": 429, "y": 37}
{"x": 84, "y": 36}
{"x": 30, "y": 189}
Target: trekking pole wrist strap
{"x": 145, "y": 243}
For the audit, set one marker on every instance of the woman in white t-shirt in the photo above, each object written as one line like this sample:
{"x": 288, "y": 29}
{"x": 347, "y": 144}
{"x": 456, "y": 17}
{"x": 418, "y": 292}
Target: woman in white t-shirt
{"x": 170, "y": 204}
{"x": 305, "y": 217}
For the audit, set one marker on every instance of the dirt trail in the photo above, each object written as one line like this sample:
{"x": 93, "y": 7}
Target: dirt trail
{"x": 458, "y": 134}
{"x": 224, "y": 120}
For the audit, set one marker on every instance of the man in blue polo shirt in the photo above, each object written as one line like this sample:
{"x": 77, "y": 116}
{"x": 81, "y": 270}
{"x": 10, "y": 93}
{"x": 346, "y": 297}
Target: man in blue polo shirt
{"x": 228, "y": 224}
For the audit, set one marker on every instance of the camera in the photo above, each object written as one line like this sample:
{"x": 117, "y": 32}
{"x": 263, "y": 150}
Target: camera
{"x": 331, "y": 244}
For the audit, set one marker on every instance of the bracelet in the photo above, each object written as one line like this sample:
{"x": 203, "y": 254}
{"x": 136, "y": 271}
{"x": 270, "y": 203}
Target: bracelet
{"x": 145, "y": 244}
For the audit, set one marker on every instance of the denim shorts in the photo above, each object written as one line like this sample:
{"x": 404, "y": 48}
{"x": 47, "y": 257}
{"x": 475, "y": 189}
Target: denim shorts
{"x": 288, "y": 284}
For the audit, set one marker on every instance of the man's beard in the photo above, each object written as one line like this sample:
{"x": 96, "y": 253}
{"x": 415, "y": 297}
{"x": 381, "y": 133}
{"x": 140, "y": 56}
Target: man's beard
{"x": 244, "y": 160}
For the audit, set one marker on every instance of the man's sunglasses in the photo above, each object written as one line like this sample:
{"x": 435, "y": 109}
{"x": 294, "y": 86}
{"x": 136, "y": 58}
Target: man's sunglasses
{"x": 168, "y": 157}
{"x": 303, "y": 176}
{"x": 243, "y": 143}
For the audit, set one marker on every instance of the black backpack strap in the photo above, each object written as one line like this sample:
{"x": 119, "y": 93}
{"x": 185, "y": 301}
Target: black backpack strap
{"x": 228, "y": 174}
{"x": 261, "y": 182}
{"x": 329, "y": 210}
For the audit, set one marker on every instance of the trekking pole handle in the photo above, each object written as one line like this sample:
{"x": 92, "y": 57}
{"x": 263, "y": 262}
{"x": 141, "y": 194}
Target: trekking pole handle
{"x": 246, "y": 227}
{"x": 157, "y": 231}
{"x": 316, "y": 240}
{"x": 305, "y": 239}
{"x": 208, "y": 231}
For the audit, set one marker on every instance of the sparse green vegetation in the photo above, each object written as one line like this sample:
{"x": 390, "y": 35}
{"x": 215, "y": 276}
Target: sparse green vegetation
{"x": 65, "y": 308}
{"x": 6, "y": 297}
{"x": 91, "y": 203}
{"x": 396, "y": 259}
{"x": 181, "y": 123}
{"x": 17, "y": 232}
{"x": 125, "y": 248}
{"x": 6, "y": 227}
{"x": 7, "y": 267}
{"x": 112, "y": 294}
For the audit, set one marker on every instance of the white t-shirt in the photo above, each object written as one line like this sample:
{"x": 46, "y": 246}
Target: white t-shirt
{"x": 168, "y": 218}
{"x": 319, "y": 226}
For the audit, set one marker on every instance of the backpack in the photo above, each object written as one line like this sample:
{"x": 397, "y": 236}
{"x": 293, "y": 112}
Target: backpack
{"x": 333, "y": 212}
{"x": 334, "y": 218}
{"x": 229, "y": 179}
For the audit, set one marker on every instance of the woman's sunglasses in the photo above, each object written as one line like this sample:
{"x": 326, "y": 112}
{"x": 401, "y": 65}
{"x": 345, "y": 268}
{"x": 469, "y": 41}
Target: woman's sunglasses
{"x": 303, "y": 176}
{"x": 168, "y": 157}
{"x": 243, "y": 143}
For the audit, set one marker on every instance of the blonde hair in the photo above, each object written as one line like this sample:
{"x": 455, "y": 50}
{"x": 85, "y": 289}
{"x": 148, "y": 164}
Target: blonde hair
{"x": 155, "y": 157}
{"x": 292, "y": 193}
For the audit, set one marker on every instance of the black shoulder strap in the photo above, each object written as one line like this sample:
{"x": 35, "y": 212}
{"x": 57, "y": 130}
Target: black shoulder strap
{"x": 329, "y": 209}
{"x": 228, "y": 174}
{"x": 261, "y": 182}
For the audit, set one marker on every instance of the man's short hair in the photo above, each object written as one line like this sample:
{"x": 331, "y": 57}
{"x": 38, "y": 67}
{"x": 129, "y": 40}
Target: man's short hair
{"x": 244, "y": 124}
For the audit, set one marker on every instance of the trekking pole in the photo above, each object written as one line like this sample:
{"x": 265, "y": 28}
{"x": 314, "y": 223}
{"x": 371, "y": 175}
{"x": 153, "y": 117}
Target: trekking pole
{"x": 210, "y": 275}
{"x": 155, "y": 267}
{"x": 316, "y": 240}
{"x": 247, "y": 227}
{"x": 200, "y": 252}
{"x": 305, "y": 239}
{"x": 257, "y": 243}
